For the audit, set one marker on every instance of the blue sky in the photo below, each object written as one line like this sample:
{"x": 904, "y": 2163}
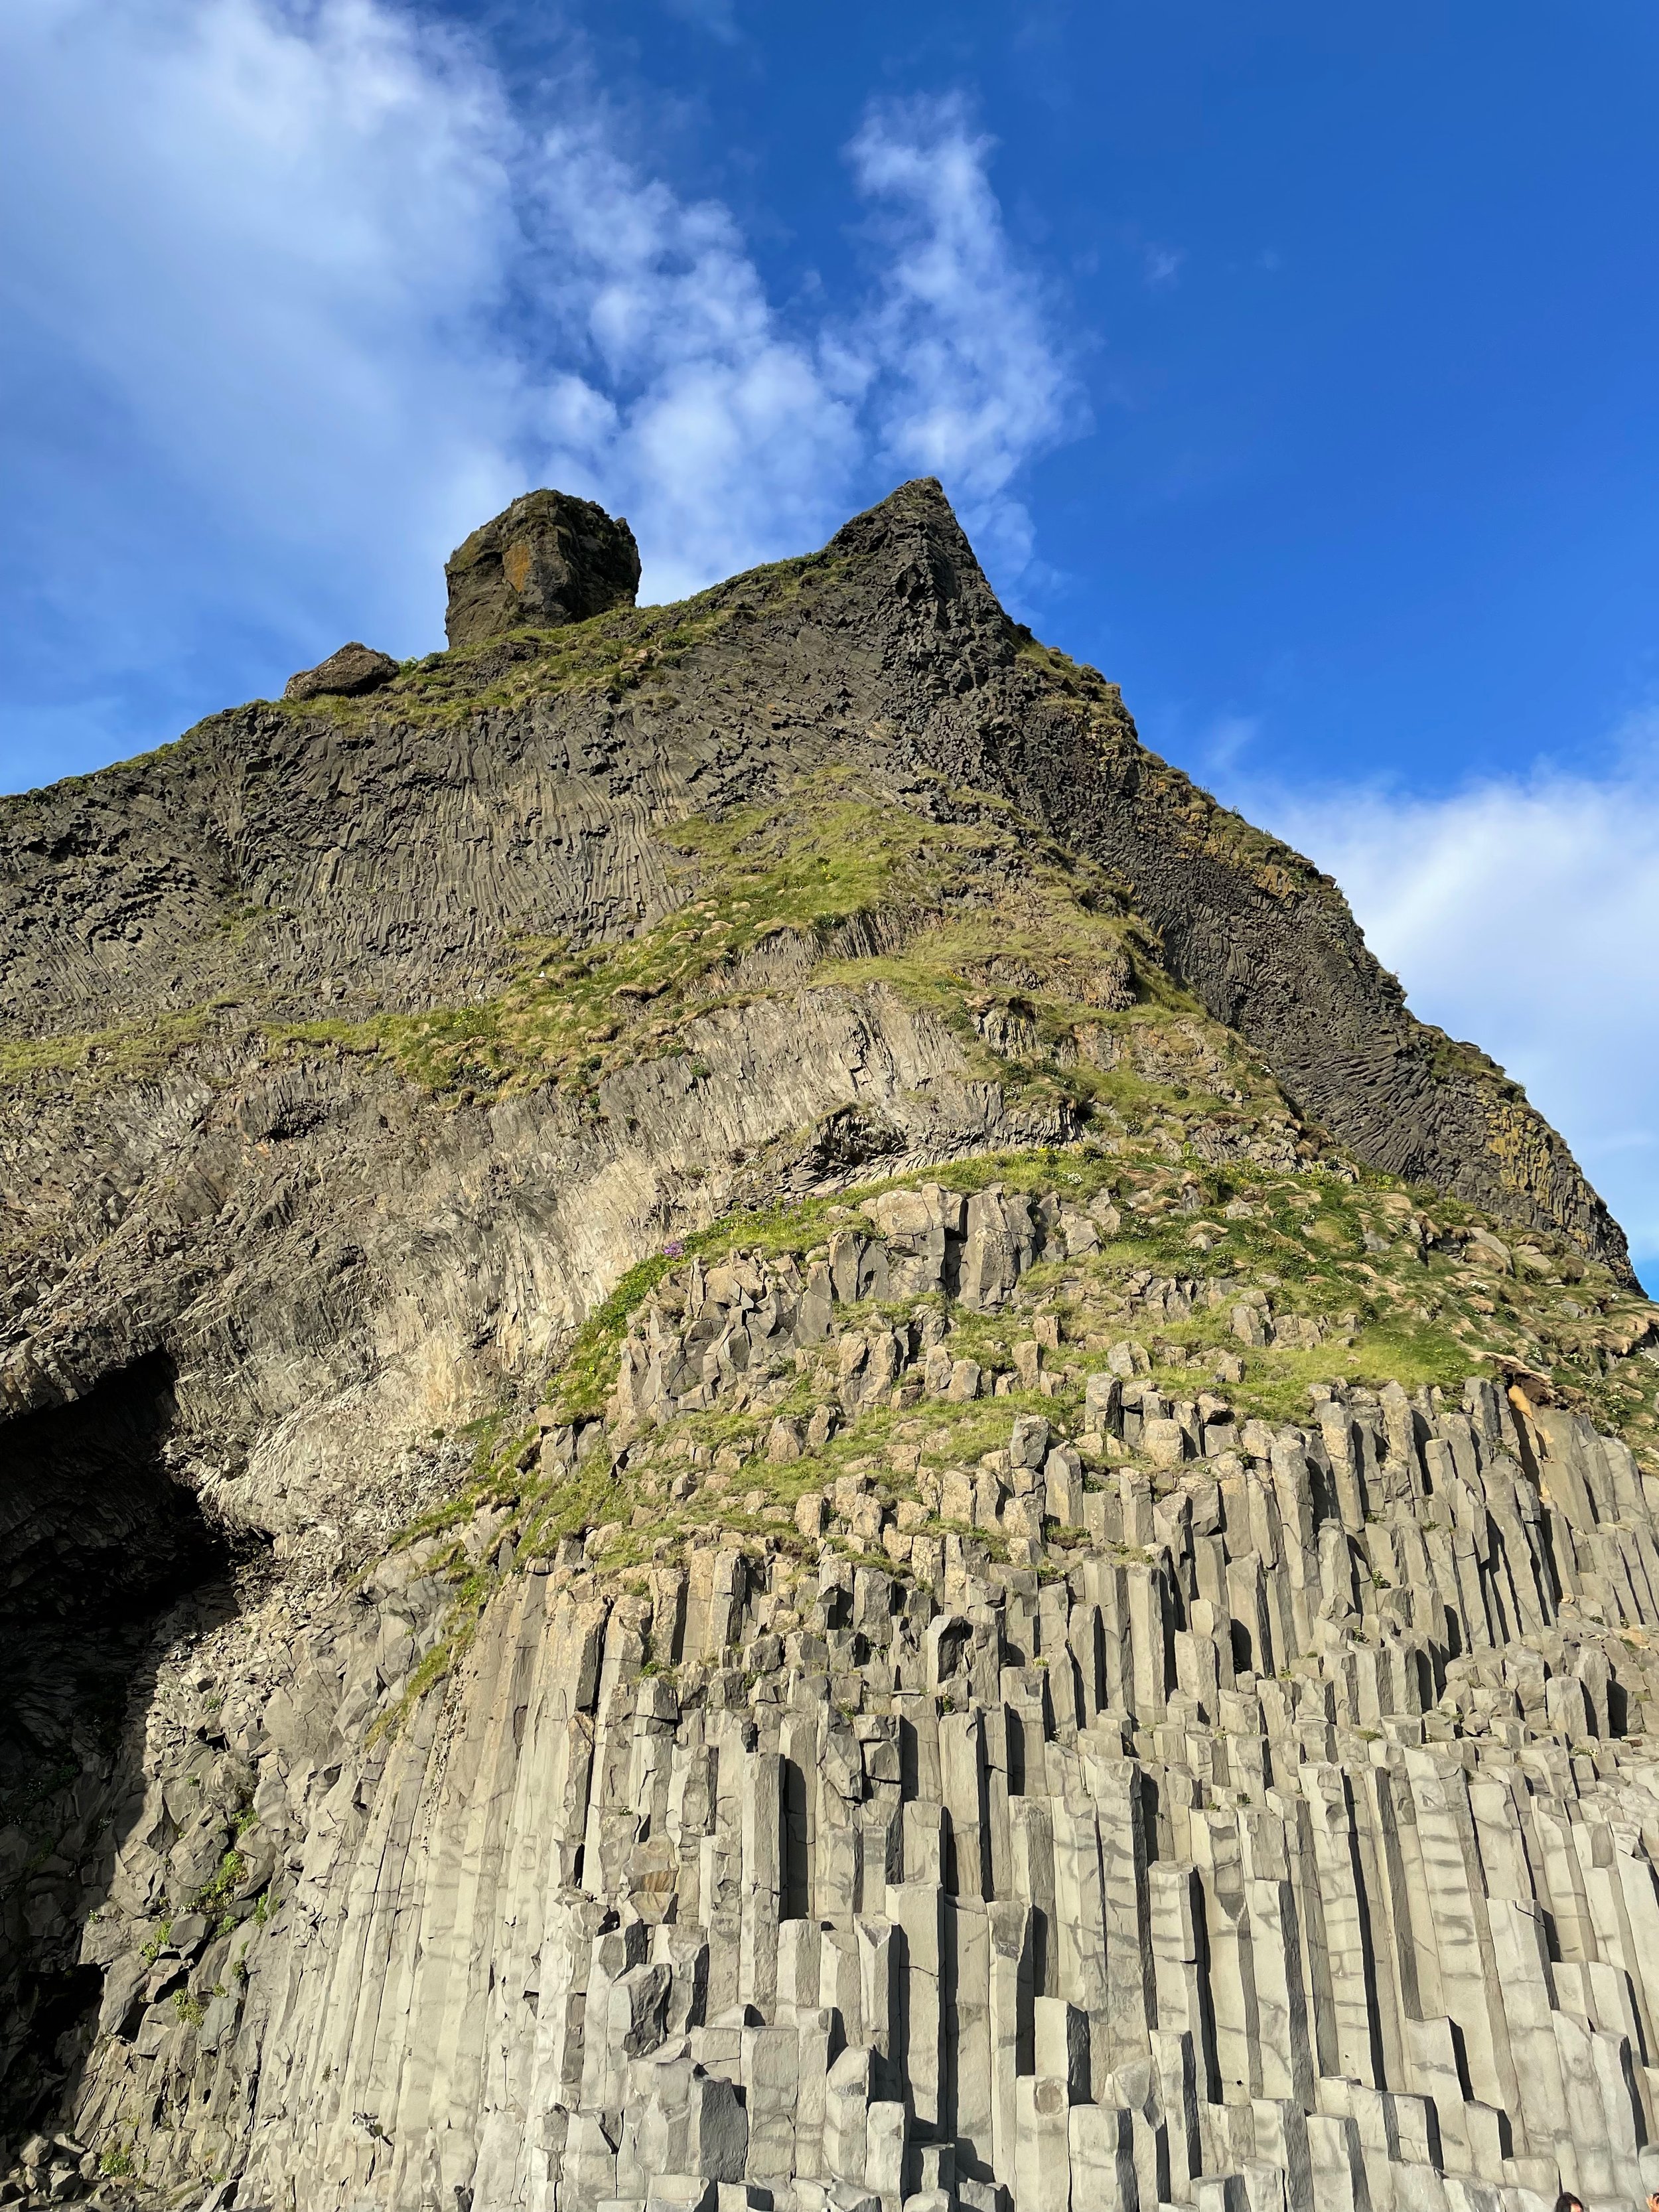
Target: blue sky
{"x": 1294, "y": 365}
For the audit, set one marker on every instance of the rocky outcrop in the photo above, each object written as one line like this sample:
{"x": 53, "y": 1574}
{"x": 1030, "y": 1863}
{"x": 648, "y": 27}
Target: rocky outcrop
{"x": 347, "y": 674}
{"x": 546, "y": 559}
{"x": 1191, "y": 1809}
{"x": 1259, "y": 935}
{"x": 770, "y": 1439}
{"x": 389, "y": 854}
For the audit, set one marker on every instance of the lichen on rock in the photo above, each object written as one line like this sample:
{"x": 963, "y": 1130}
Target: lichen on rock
{"x": 346, "y": 674}
{"x": 547, "y": 560}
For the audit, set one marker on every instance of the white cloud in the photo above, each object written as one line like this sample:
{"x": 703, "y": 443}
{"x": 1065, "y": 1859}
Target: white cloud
{"x": 718, "y": 433}
{"x": 1226, "y": 738}
{"x": 1524, "y": 914}
{"x": 972, "y": 383}
{"x": 1163, "y": 264}
{"x": 717, "y": 17}
{"x": 249, "y": 256}
{"x": 292, "y": 297}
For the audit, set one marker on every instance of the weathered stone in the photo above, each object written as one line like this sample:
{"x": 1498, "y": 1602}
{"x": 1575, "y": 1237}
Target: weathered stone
{"x": 547, "y": 560}
{"x": 346, "y": 674}
{"x": 626, "y": 1833}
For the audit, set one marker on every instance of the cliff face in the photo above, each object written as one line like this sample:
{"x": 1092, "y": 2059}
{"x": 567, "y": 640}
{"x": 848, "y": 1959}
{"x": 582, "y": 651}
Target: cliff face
{"x": 665, "y": 1277}
{"x": 383, "y": 851}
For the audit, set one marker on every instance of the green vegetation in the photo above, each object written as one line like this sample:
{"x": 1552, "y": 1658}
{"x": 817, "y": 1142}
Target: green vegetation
{"x": 1389, "y": 1293}
{"x": 630, "y": 653}
{"x": 213, "y": 1897}
{"x": 1450, "y": 1056}
{"x": 135, "y": 1052}
{"x": 1029, "y": 956}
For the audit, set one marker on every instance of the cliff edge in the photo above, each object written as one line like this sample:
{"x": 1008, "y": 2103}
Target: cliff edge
{"x": 770, "y": 1438}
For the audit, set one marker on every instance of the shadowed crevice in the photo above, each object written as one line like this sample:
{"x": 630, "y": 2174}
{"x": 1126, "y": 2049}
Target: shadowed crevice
{"x": 99, "y": 1540}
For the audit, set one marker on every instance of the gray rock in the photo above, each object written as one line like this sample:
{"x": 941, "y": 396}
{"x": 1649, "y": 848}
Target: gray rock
{"x": 547, "y": 560}
{"x": 347, "y": 674}
{"x": 1289, "y": 1830}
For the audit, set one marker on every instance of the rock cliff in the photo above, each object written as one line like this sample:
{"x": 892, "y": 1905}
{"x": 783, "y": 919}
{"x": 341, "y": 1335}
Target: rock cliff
{"x": 772, "y": 1438}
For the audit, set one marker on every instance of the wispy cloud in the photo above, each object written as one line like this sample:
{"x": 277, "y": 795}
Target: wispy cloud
{"x": 970, "y": 381}
{"x": 1161, "y": 264}
{"x": 1224, "y": 743}
{"x": 249, "y": 264}
{"x": 717, "y": 17}
{"x": 294, "y": 294}
{"x": 1524, "y": 914}
{"x": 671, "y": 388}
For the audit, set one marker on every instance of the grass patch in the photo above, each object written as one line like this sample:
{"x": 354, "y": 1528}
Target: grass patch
{"x": 1030, "y": 959}
{"x": 133, "y": 1051}
{"x": 1343, "y": 1246}
{"x": 630, "y": 653}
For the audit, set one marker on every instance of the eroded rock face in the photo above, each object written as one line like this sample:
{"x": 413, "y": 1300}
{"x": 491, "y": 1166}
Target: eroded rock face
{"x": 906, "y": 1727}
{"x": 1160, "y": 1809}
{"x": 346, "y": 674}
{"x": 395, "y": 859}
{"x": 547, "y": 560}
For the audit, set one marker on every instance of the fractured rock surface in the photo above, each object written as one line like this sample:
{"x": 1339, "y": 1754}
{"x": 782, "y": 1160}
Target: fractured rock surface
{"x": 346, "y": 674}
{"x": 547, "y": 559}
{"x": 384, "y": 855}
{"x": 1181, "y": 1811}
{"x": 770, "y": 1439}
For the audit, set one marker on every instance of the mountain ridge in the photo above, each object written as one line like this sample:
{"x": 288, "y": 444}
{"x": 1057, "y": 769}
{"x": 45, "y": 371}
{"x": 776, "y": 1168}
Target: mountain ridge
{"x": 771, "y": 1438}
{"x": 1262, "y": 938}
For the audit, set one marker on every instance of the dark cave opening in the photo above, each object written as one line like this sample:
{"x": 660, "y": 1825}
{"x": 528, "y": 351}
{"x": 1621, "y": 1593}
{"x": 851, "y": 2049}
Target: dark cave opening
{"x": 100, "y": 1540}
{"x": 98, "y": 1537}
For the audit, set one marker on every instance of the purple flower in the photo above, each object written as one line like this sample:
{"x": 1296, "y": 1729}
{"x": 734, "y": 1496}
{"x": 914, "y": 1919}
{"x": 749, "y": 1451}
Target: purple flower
{"x": 672, "y": 1248}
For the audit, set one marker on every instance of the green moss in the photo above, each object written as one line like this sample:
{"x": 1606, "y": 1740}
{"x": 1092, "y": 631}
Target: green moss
{"x": 589, "y": 1372}
{"x": 1405, "y": 1321}
{"x": 1076, "y": 679}
{"x": 1452, "y": 1059}
{"x": 983, "y": 921}
{"x": 134, "y": 1052}
{"x": 629, "y": 652}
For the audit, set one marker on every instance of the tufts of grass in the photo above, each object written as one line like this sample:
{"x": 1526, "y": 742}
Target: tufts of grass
{"x": 1353, "y": 1249}
{"x": 629, "y": 654}
{"x": 134, "y": 1052}
{"x": 977, "y": 918}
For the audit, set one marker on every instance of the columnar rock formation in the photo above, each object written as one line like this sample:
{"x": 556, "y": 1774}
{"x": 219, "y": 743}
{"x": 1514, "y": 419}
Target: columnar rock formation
{"x": 1183, "y": 1809}
{"x": 752, "y": 1520}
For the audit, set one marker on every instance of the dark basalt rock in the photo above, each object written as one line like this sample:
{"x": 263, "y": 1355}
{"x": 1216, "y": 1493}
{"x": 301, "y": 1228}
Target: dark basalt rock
{"x": 1244, "y": 1773}
{"x": 548, "y": 560}
{"x": 401, "y": 879}
{"x": 346, "y": 674}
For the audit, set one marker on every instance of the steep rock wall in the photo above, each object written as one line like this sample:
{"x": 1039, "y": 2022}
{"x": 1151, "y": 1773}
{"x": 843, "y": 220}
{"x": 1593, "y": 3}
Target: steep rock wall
{"x": 1263, "y": 939}
{"x": 1123, "y": 1795}
{"x": 1185, "y": 1812}
{"x": 382, "y": 851}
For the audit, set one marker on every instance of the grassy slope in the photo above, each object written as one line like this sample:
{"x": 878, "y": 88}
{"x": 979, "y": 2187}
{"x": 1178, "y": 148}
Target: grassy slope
{"x": 1354, "y": 1248}
{"x": 976, "y": 908}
